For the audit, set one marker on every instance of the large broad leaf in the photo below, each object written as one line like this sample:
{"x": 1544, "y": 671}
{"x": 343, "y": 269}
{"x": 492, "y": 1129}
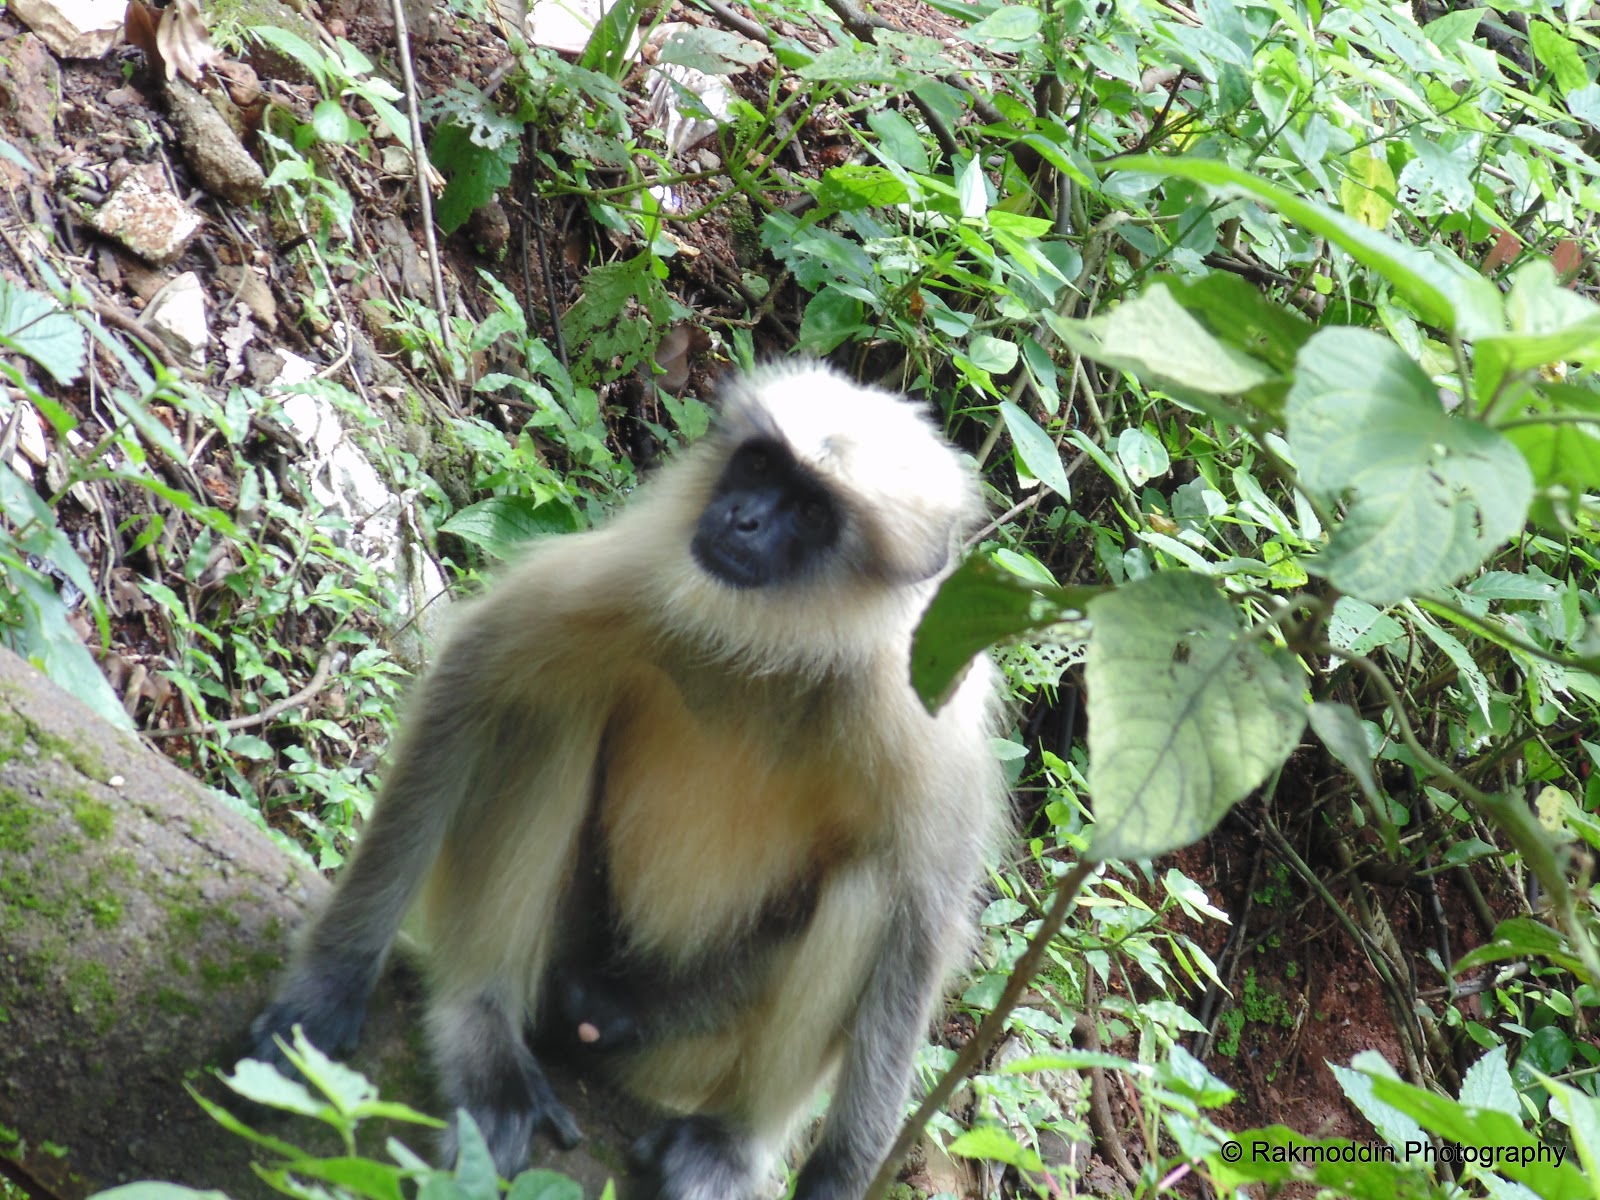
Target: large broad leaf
{"x": 1187, "y": 713}
{"x": 34, "y": 325}
{"x": 1154, "y": 338}
{"x": 980, "y": 604}
{"x": 501, "y": 525}
{"x": 1430, "y": 495}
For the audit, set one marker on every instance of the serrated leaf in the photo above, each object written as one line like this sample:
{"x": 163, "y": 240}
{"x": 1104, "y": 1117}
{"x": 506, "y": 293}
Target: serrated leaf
{"x": 1487, "y": 1084}
{"x": 1393, "y": 1126}
{"x": 476, "y": 173}
{"x": 1154, "y": 338}
{"x": 1037, "y": 451}
{"x": 1429, "y": 495}
{"x": 1187, "y": 714}
{"x": 34, "y": 325}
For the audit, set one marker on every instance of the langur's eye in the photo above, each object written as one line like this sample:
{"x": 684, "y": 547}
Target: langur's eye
{"x": 758, "y": 462}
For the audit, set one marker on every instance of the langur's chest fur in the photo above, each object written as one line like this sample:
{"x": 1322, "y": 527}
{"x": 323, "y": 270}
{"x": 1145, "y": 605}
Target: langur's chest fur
{"x": 707, "y": 824}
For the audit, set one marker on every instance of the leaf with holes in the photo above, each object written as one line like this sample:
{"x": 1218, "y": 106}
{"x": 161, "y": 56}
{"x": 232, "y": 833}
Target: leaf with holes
{"x": 1429, "y": 495}
{"x": 1187, "y": 714}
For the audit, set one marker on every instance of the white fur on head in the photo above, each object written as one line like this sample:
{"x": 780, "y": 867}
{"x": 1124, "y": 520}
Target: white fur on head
{"x": 905, "y": 499}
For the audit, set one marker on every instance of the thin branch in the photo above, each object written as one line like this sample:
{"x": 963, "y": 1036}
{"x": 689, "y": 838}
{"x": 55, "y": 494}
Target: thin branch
{"x": 319, "y": 680}
{"x": 422, "y": 170}
{"x": 993, "y": 1025}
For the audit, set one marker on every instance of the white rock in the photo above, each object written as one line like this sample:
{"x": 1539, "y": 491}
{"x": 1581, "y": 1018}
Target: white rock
{"x": 178, "y": 313}
{"x": 383, "y": 525}
{"x": 566, "y": 25}
{"x": 147, "y": 218}
{"x": 74, "y": 28}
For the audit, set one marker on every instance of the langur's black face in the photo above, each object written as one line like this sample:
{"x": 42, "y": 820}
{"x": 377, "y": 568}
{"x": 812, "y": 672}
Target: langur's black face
{"x": 769, "y": 521}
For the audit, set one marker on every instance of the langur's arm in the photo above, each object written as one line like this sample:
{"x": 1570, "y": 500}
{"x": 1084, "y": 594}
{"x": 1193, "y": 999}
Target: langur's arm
{"x": 339, "y": 959}
{"x": 889, "y": 1024}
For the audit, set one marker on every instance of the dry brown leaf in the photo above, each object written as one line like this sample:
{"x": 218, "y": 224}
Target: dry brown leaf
{"x": 184, "y": 46}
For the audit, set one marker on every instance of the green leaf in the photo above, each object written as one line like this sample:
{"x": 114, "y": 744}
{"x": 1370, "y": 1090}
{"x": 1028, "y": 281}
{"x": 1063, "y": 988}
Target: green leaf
{"x": 1277, "y": 1155}
{"x": 330, "y": 123}
{"x": 1393, "y": 1126}
{"x": 1548, "y": 322}
{"x": 1010, "y": 23}
{"x": 362, "y": 1177}
{"x": 265, "y": 1084}
{"x": 1034, "y": 447}
{"x": 1439, "y": 286}
{"x": 1488, "y": 1085}
{"x": 992, "y": 354}
{"x": 997, "y": 1144}
{"x": 714, "y": 51}
{"x": 898, "y": 140}
{"x": 539, "y": 1184}
{"x": 48, "y": 641}
{"x": 831, "y": 317}
{"x": 1560, "y": 455}
{"x": 1142, "y": 455}
{"x": 852, "y": 187}
{"x": 1187, "y": 714}
{"x": 295, "y": 47}
{"x": 978, "y": 605}
{"x": 1154, "y": 338}
{"x": 1366, "y": 193}
{"x": 1520, "y": 937}
{"x": 1470, "y": 1126}
{"x": 1234, "y": 311}
{"x": 501, "y": 525}
{"x": 476, "y": 173}
{"x": 34, "y": 325}
{"x": 1429, "y": 495}
{"x": 475, "y": 1173}
{"x": 1339, "y": 728}
{"x": 248, "y": 745}
{"x": 151, "y": 1190}
{"x": 1556, "y": 52}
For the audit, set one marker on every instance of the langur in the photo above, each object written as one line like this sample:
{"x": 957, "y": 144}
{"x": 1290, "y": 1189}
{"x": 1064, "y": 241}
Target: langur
{"x": 667, "y": 800}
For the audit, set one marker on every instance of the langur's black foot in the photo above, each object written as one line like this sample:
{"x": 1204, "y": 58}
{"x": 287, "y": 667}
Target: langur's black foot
{"x": 328, "y": 1002}
{"x": 695, "y": 1158}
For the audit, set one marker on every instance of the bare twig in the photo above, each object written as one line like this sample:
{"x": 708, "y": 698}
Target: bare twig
{"x": 421, "y": 170}
{"x": 993, "y": 1025}
{"x": 319, "y": 680}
